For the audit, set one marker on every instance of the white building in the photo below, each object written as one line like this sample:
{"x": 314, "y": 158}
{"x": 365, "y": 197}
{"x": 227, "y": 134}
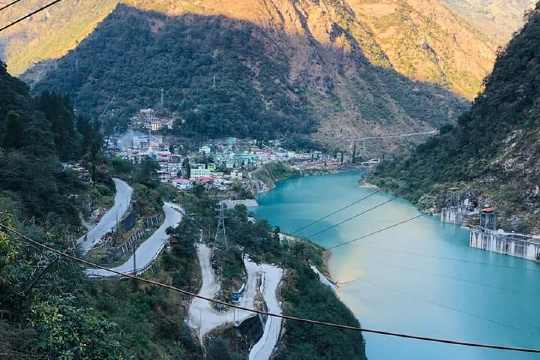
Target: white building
{"x": 236, "y": 175}
{"x": 150, "y": 119}
{"x": 205, "y": 150}
{"x": 182, "y": 184}
{"x": 200, "y": 172}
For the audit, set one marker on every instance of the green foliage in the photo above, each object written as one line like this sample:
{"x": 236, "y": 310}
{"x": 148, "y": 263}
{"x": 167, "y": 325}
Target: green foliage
{"x": 121, "y": 166}
{"x": 202, "y": 62}
{"x": 61, "y": 117}
{"x": 147, "y": 200}
{"x": 29, "y": 167}
{"x": 146, "y": 173}
{"x": 256, "y": 237}
{"x": 272, "y": 172}
{"x": 217, "y": 350}
{"x": 8, "y": 248}
{"x": 179, "y": 261}
{"x": 304, "y": 296}
{"x": 502, "y": 125}
{"x": 14, "y": 131}
{"x": 69, "y": 331}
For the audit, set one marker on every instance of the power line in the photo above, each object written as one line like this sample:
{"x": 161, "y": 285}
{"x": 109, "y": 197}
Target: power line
{"x": 447, "y": 258}
{"x": 285, "y": 317}
{"x": 376, "y": 232}
{"x": 30, "y": 15}
{"x": 353, "y": 217}
{"x": 301, "y": 229}
{"x": 443, "y": 306}
{"x": 9, "y": 5}
{"x": 444, "y": 276}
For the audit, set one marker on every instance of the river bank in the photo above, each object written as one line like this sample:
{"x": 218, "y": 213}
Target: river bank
{"x": 269, "y": 175}
{"x": 407, "y": 279}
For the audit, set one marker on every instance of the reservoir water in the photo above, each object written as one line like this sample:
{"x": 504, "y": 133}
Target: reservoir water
{"x": 419, "y": 278}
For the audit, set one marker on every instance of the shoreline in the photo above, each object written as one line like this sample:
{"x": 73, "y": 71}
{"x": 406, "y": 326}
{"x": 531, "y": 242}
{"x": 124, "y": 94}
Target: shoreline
{"x": 273, "y": 182}
{"x": 327, "y": 254}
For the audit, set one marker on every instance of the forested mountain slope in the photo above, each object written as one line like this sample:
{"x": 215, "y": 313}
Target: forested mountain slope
{"x": 426, "y": 25}
{"x": 494, "y": 147}
{"x": 267, "y": 68}
{"x": 35, "y": 134}
{"x": 425, "y": 40}
{"x": 50, "y": 34}
{"x": 498, "y": 19}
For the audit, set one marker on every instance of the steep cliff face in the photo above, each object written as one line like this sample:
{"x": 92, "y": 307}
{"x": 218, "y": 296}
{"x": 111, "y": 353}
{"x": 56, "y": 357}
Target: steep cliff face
{"x": 494, "y": 147}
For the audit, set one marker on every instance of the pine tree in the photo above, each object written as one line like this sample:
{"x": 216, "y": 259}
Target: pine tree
{"x": 13, "y": 136}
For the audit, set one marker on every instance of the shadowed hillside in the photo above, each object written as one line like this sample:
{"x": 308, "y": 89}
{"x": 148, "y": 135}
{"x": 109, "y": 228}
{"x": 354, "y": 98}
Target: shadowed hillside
{"x": 231, "y": 77}
{"x": 421, "y": 39}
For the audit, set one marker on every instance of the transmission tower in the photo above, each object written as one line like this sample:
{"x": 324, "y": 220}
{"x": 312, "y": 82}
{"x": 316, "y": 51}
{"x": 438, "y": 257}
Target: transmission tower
{"x": 221, "y": 235}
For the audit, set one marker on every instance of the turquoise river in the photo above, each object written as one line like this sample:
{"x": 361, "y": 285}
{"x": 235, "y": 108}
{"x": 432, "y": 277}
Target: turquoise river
{"x": 419, "y": 278}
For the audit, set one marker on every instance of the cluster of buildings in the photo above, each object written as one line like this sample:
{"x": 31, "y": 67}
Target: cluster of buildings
{"x": 464, "y": 208}
{"x": 233, "y": 153}
{"x": 152, "y": 120}
{"x": 487, "y": 237}
{"x": 218, "y": 164}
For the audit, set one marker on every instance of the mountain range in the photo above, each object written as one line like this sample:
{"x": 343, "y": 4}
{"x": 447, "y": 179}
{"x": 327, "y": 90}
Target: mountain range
{"x": 493, "y": 149}
{"x": 333, "y": 69}
{"x": 498, "y": 19}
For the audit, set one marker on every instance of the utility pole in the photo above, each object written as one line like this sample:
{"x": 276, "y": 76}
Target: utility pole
{"x": 134, "y": 258}
{"x": 221, "y": 235}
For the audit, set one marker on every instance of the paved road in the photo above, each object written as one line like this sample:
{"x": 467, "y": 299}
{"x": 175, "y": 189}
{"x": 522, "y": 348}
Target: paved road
{"x": 108, "y": 222}
{"x": 149, "y": 250}
{"x": 202, "y": 316}
{"x": 323, "y": 279}
{"x": 264, "y": 348}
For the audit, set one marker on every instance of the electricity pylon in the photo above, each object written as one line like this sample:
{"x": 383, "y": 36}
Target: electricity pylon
{"x": 221, "y": 234}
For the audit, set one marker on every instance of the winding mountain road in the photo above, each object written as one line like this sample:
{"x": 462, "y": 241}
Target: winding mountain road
{"x": 149, "y": 250}
{"x": 201, "y": 314}
{"x": 204, "y": 318}
{"x": 264, "y": 348}
{"x": 108, "y": 222}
